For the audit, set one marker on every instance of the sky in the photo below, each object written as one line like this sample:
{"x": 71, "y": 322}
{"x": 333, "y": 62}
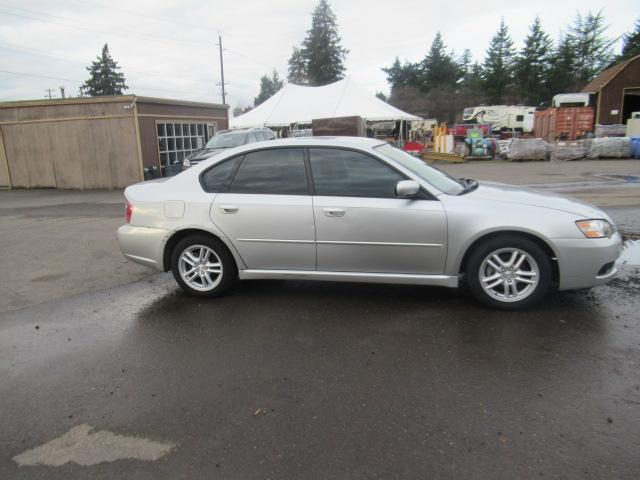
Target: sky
{"x": 168, "y": 48}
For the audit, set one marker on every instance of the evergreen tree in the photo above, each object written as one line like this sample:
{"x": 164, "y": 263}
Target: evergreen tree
{"x": 268, "y": 87}
{"x": 499, "y": 66}
{"x": 465, "y": 63}
{"x": 401, "y": 75}
{"x": 381, "y": 96}
{"x": 297, "y": 68}
{"x": 593, "y": 47}
{"x": 561, "y": 76}
{"x": 438, "y": 67}
{"x": 321, "y": 48}
{"x": 532, "y": 65}
{"x": 631, "y": 43}
{"x": 105, "y": 78}
{"x": 240, "y": 110}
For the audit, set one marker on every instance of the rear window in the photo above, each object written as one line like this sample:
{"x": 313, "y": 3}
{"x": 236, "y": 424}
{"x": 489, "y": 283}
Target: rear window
{"x": 278, "y": 171}
{"x": 218, "y": 177}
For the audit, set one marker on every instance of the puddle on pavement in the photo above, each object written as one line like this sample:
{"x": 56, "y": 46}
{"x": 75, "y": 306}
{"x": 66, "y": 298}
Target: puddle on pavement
{"x": 630, "y": 253}
{"x": 616, "y": 176}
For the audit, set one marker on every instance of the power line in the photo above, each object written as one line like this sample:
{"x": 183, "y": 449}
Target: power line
{"x": 111, "y": 31}
{"x": 152, "y": 17}
{"x": 33, "y": 51}
{"x": 74, "y": 80}
{"x": 96, "y": 28}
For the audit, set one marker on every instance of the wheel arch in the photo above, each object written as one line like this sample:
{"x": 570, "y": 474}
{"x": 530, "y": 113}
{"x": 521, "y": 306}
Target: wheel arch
{"x": 185, "y": 232}
{"x": 541, "y": 242}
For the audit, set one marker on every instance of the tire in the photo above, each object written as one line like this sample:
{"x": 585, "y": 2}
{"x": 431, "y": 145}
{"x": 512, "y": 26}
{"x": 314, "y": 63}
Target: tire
{"x": 515, "y": 286}
{"x": 186, "y": 261}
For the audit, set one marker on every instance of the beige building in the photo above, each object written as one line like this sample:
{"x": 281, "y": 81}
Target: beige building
{"x": 100, "y": 142}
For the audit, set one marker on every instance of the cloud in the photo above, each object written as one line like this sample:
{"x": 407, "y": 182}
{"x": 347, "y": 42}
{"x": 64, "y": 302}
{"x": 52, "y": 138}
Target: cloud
{"x": 168, "y": 49}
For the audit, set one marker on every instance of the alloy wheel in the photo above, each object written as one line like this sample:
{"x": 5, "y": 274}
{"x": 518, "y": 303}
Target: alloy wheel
{"x": 509, "y": 274}
{"x": 200, "y": 267}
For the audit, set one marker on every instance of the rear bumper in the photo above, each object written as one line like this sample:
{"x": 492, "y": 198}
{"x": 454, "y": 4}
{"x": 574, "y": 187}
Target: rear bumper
{"x": 144, "y": 245}
{"x": 587, "y": 262}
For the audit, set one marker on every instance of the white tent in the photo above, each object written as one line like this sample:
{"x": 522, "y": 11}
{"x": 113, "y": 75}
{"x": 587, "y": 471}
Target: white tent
{"x": 298, "y": 104}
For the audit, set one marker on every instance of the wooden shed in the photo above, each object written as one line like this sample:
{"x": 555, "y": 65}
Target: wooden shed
{"x": 100, "y": 142}
{"x": 617, "y": 91}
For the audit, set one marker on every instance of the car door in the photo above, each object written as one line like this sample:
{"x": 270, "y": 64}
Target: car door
{"x": 362, "y": 226}
{"x": 266, "y": 211}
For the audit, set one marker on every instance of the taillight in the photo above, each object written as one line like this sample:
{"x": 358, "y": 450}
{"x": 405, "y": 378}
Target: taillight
{"x": 128, "y": 210}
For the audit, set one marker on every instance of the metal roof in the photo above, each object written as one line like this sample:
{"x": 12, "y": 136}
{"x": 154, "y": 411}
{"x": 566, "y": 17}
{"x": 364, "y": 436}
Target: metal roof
{"x": 606, "y": 76}
{"x": 108, "y": 99}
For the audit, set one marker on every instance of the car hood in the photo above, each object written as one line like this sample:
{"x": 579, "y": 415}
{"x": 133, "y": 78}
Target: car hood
{"x": 204, "y": 154}
{"x": 500, "y": 192}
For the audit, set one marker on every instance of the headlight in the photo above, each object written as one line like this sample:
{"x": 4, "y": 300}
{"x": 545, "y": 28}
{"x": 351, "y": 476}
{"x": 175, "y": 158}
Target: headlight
{"x": 186, "y": 163}
{"x": 595, "y": 228}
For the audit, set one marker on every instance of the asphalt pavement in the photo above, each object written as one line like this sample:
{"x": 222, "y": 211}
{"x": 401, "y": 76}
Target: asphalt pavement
{"x": 319, "y": 380}
{"x": 306, "y": 380}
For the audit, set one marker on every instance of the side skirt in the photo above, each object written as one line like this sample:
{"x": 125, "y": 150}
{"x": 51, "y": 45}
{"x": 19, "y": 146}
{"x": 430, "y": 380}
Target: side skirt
{"x": 409, "y": 279}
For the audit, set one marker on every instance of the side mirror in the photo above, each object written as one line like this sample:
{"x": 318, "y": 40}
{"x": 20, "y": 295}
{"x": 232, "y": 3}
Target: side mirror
{"x": 407, "y": 188}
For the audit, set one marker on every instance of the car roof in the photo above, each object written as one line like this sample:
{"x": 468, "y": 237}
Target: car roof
{"x": 354, "y": 142}
{"x": 243, "y": 130}
{"x": 361, "y": 143}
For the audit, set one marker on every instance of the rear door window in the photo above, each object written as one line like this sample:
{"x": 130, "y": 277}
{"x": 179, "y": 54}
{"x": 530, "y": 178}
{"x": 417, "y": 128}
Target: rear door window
{"x": 278, "y": 171}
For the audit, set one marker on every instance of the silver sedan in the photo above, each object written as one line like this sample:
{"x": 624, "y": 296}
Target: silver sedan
{"x": 359, "y": 210}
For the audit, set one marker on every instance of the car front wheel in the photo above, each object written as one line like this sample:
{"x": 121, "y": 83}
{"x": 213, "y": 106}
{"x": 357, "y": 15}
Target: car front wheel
{"x": 203, "y": 266}
{"x": 509, "y": 273}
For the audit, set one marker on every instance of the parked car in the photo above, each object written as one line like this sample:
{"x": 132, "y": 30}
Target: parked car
{"x": 358, "y": 209}
{"x": 226, "y": 139}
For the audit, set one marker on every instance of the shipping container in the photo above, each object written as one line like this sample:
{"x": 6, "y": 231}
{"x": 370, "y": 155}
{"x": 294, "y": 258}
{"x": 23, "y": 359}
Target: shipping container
{"x": 567, "y": 123}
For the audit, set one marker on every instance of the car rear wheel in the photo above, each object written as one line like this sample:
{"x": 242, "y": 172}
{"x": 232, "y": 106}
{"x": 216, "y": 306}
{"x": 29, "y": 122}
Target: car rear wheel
{"x": 203, "y": 266}
{"x": 509, "y": 273}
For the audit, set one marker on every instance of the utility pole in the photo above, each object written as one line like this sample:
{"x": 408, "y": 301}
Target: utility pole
{"x": 49, "y": 90}
{"x": 221, "y": 69}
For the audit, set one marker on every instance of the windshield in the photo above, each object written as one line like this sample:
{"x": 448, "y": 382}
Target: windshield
{"x": 432, "y": 175}
{"x": 227, "y": 140}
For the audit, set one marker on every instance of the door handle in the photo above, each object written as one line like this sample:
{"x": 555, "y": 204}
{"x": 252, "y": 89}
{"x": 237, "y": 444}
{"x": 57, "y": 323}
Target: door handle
{"x": 334, "y": 212}
{"x": 228, "y": 209}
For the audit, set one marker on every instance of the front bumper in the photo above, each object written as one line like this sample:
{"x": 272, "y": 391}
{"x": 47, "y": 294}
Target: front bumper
{"x": 587, "y": 262}
{"x": 144, "y": 245}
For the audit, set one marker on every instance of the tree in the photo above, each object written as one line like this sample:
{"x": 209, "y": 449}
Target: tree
{"x": 465, "y": 63}
{"x": 499, "y": 65}
{"x": 532, "y": 65}
{"x": 297, "y": 68}
{"x": 438, "y": 67}
{"x": 561, "y": 76}
{"x": 105, "y": 78}
{"x": 239, "y": 110}
{"x": 323, "y": 54}
{"x": 594, "y": 49}
{"x": 381, "y": 96}
{"x": 268, "y": 87}
{"x": 401, "y": 75}
{"x": 472, "y": 88}
{"x": 631, "y": 43}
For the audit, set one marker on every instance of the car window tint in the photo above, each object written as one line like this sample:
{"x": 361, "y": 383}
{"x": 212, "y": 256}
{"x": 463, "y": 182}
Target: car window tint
{"x": 351, "y": 174}
{"x": 269, "y": 135}
{"x": 253, "y": 138}
{"x": 217, "y": 178}
{"x": 276, "y": 171}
